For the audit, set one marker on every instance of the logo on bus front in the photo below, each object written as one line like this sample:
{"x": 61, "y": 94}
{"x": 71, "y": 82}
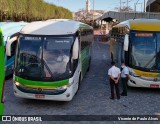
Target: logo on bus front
{"x": 40, "y": 89}
{"x": 155, "y": 79}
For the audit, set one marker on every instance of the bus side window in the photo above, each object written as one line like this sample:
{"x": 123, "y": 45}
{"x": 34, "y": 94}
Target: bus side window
{"x": 84, "y": 40}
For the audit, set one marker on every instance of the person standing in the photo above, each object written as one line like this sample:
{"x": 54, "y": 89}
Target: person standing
{"x": 114, "y": 74}
{"x": 124, "y": 78}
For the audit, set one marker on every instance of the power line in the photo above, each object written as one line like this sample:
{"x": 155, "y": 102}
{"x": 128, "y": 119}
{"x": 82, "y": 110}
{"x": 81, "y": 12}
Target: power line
{"x": 137, "y": 2}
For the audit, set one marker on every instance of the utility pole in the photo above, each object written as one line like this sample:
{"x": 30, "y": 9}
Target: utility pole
{"x": 135, "y": 5}
{"x": 144, "y": 5}
{"x": 93, "y": 13}
{"x": 120, "y": 6}
{"x": 127, "y": 4}
{"x": 149, "y": 11}
{"x": 141, "y": 6}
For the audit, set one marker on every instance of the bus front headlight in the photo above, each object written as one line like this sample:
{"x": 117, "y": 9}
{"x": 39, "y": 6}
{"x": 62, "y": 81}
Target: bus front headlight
{"x": 63, "y": 87}
{"x": 134, "y": 74}
{"x": 17, "y": 83}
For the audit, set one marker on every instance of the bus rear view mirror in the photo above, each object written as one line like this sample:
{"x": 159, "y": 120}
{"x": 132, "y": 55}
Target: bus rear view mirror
{"x": 126, "y": 42}
{"x": 8, "y": 45}
{"x": 75, "y": 51}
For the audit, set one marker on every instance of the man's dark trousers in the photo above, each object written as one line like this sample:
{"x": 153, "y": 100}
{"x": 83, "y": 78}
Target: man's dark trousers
{"x": 116, "y": 85}
{"x": 124, "y": 83}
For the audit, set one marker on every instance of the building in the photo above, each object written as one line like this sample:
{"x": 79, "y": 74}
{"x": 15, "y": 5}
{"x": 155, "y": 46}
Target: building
{"x": 88, "y": 6}
{"x": 153, "y": 6}
{"x": 88, "y": 14}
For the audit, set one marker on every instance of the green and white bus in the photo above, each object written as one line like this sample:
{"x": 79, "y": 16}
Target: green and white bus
{"x": 2, "y": 74}
{"x": 51, "y": 59}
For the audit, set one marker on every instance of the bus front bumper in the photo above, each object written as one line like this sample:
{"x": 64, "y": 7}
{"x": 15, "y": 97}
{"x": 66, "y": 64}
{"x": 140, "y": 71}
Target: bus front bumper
{"x": 139, "y": 82}
{"x": 66, "y": 96}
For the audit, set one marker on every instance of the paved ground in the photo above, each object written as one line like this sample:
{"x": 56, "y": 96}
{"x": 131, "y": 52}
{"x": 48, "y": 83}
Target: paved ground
{"x": 92, "y": 98}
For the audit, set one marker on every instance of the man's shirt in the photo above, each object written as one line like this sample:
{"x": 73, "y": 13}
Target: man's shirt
{"x": 114, "y": 71}
{"x": 125, "y": 71}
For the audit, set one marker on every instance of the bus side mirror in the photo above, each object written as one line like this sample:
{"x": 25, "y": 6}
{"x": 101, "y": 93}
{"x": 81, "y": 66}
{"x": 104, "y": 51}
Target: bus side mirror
{"x": 75, "y": 52}
{"x": 126, "y": 42}
{"x": 8, "y": 45}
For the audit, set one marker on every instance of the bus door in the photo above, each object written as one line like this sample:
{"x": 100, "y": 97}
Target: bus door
{"x": 119, "y": 50}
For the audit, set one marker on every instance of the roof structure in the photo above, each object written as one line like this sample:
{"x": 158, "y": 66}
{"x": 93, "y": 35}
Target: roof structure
{"x": 153, "y": 6}
{"x": 122, "y": 16}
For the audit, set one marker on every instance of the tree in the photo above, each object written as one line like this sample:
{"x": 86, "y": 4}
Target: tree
{"x": 31, "y": 10}
{"x": 124, "y": 9}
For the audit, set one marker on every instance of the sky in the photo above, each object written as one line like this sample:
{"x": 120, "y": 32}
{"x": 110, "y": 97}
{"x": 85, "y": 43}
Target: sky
{"x": 107, "y": 5}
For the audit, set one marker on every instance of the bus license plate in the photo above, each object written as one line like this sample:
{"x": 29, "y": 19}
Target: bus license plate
{"x": 39, "y": 96}
{"x": 154, "y": 86}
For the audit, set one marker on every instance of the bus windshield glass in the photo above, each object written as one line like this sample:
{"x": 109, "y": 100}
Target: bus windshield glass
{"x": 43, "y": 58}
{"x": 145, "y": 51}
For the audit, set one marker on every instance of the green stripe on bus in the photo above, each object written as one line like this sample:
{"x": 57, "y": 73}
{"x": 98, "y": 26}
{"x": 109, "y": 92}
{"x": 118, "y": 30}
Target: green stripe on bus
{"x": 85, "y": 59}
{"x": 41, "y": 84}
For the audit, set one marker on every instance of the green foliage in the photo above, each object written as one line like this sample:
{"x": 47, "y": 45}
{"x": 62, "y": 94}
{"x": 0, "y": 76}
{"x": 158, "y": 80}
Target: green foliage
{"x": 31, "y": 10}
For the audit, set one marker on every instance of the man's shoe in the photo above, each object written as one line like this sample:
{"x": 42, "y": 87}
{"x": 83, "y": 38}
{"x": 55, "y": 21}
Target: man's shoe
{"x": 111, "y": 98}
{"x": 118, "y": 98}
{"x": 123, "y": 94}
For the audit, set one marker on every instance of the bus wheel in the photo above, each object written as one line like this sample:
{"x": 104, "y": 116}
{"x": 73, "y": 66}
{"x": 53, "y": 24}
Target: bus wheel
{"x": 89, "y": 64}
{"x": 79, "y": 82}
{"x": 112, "y": 56}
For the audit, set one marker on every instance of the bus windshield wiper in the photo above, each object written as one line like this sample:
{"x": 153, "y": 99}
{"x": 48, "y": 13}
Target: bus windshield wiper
{"x": 150, "y": 61}
{"x": 48, "y": 69}
{"x": 42, "y": 61}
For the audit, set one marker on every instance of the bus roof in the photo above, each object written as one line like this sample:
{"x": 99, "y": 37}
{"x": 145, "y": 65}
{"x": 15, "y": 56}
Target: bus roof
{"x": 10, "y": 28}
{"x": 141, "y": 24}
{"x": 53, "y": 27}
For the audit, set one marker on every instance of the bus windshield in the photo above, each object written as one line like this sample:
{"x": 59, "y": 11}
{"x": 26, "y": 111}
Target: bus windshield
{"x": 43, "y": 58}
{"x": 145, "y": 51}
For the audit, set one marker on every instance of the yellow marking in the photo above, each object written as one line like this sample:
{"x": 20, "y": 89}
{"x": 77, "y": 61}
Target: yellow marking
{"x": 141, "y": 25}
{"x": 146, "y": 74}
{"x": 145, "y": 25}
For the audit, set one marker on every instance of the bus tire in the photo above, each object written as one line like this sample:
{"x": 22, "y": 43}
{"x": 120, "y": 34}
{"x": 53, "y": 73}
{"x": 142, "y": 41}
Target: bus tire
{"x": 89, "y": 64}
{"x": 79, "y": 82}
{"x": 112, "y": 56}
